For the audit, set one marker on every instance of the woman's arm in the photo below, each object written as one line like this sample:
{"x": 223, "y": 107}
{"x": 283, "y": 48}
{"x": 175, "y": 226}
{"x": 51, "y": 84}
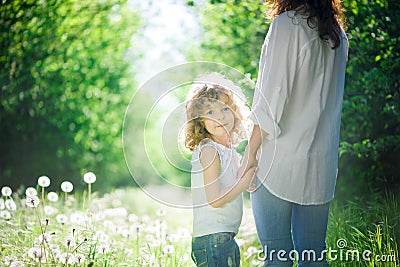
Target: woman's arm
{"x": 216, "y": 196}
{"x": 250, "y": 153}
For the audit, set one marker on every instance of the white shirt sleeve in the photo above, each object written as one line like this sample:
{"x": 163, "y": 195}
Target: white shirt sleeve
{"x": 275, "y": 78}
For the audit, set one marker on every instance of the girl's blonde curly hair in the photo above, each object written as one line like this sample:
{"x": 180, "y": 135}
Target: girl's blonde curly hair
{"x": 196, "y": 107}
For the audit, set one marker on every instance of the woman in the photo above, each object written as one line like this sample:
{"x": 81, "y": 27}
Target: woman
{"x": 296, "y": 111}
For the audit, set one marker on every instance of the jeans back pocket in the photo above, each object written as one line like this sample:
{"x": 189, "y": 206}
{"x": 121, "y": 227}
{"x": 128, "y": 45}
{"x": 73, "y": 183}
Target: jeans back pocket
{"x": 199, "y": 257}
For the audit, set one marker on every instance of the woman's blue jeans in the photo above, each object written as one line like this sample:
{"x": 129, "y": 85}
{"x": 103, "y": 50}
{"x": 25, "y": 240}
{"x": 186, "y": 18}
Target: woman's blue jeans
{"x": 219, "y": 249}
{"x": 289, "y": 231}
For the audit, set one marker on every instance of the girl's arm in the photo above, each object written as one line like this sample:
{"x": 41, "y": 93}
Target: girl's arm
{"x": 216, "y": 196}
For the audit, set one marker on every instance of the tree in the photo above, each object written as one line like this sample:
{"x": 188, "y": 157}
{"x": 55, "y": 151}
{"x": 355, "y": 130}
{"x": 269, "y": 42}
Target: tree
{"x": 233, "y": 34}
{"x": 65, "y": 85}
{"x": 370, "y": 151}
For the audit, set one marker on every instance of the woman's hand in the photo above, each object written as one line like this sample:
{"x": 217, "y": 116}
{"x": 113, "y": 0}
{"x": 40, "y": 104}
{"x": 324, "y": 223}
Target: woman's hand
{"x": 253, "y": 182}
{"x": 248, "y": 169}
{"x": 249, "y": 161}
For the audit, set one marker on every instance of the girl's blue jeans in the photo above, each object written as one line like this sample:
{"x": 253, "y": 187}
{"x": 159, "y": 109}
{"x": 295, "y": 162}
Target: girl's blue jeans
{"x": 289, "y": 231}
{"x": 219, "y": 249}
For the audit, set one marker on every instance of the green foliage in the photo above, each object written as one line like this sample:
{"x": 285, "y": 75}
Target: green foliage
{"x": 233, "y": 33}
{"x": 127, "y": 228}
{"x": 370, "y": 130}
{"x": 122, "y": 228}
{"x": 65, "y": 85}
{"x": 367, "y": 224}
{"x": 370, "y": 124}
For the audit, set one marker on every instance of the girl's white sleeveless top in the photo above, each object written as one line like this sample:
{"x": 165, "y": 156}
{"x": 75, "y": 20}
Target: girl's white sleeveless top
{"x": 206, "y": 219}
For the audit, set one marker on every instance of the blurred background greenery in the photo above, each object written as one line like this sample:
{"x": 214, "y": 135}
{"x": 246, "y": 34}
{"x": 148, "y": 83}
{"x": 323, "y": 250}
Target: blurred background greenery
{"x": 69, "y": 68}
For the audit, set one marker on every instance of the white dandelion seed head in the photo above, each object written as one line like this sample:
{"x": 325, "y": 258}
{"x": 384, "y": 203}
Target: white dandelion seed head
{"x": 12, "y": 261}
{"x": 17, "y": 263}
{"x": 89, "y": 177}
{"x": 62, "y": 258}
{"x": 69, "y": 240}
{"x": 102, "y": 237}
{"x": 52, "y": 196}
{"x": 43, "y": 181}
{"x": 54, "y": 247}
{"x": 146, "y": 219}
{"x": 103, "y": 248}
{"x": 77, "y": 218}
{"x": 88, "y": 220}
{"x": 184, "y": 257}
{"x": 150, "y": 237}
{"x": 2, "y": 204}
{"x": 35, "y": 253}
{"x": 69, "y": 258}
{"x": 32, "y": 201}
{"x": 116, "y": 212}
{"x": 125, "y": 233}
{"x": 8, "y": 260}
{"x": 30, "y": 191}
{"x": 174, "y": 238}
{"x": 45, "y": 221}
{"x": 10, "y": 204}
{"x": 160, "y": 226}
{"x": 132, "y": 218}
{"x": 6, "y": 191}
{"x": 36, "y": 242}
{"x": 61, "y": 218}
{"x": 80, "y": 258}
{"x": 168, "y": 249}
{"x": 116, "y": 202}
{"x": 70, "y": 200}
{"x": 161, "y": 212}
{"x": 44, "y": 238}
{"x": 30, "y": 225}
{"x": 72, "y": 259}
{"x": 111, "y": 226}
{"x": 251, "y": 251}
{"x": 128, "y": 252}
{"x": 152, "y": 260}
{"x": 5, "y": 215}
{"x": 49, "y": 210}
{"x": 150, "y": 229}
{"x": 100, "y": 216}
{"x": 183, "y": 233}
{"x": 240, "y": 241}
{"x": 67, "y": 186}
{"x": 155, "y": 243}
{"x": 136, "y": 229}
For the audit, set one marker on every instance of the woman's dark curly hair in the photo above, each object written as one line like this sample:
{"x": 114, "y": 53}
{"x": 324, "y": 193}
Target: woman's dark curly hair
{"x": 327, "y": 15}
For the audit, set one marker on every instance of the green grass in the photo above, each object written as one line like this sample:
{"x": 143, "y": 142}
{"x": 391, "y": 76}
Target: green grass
{"x": 127, "y": 228}
{"x": 368, "y": 225}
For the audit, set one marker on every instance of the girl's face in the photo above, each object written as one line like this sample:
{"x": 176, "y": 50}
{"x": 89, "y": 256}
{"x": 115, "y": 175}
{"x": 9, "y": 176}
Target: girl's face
{"x": 219, "y": 119}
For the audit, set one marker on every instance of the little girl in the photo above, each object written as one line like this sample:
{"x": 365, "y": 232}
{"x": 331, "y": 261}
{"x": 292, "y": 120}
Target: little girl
{"x": 213, "y": 126}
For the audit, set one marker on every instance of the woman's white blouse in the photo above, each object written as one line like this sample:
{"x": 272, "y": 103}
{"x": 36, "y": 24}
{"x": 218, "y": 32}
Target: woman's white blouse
{"x": 298, "y": 103}
{"x": 206, "y": 219}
